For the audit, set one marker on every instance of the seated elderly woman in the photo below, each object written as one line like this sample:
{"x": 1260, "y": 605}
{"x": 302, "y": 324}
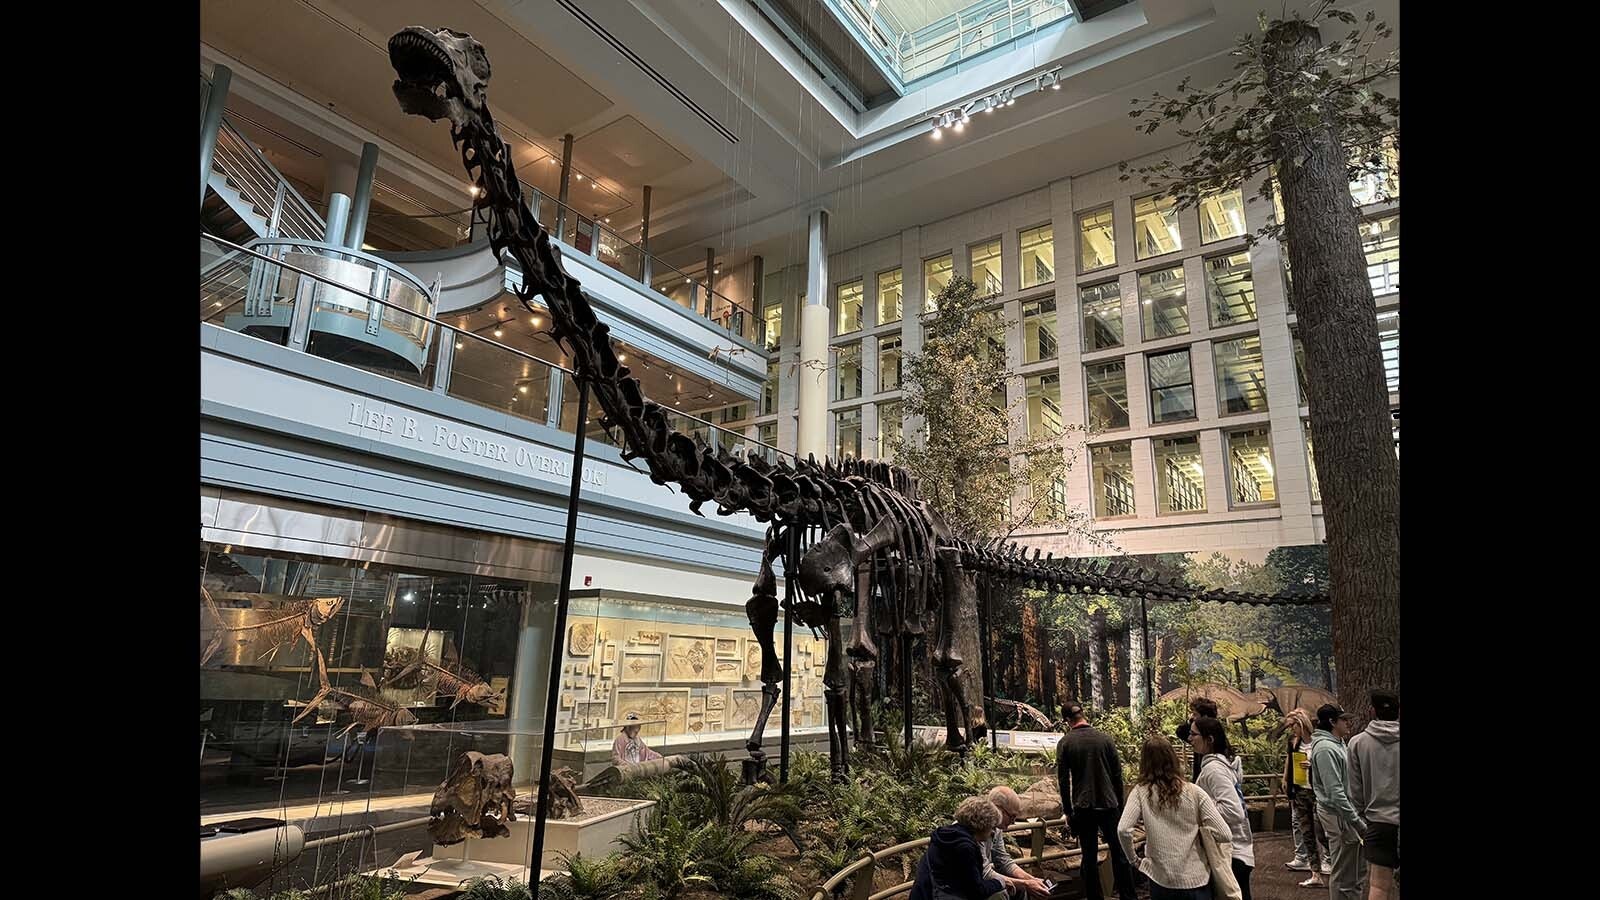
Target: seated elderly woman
{"x": 952, "y": 869}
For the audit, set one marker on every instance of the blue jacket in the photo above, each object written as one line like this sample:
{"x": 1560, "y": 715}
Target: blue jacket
{"x": 953, "y": 862}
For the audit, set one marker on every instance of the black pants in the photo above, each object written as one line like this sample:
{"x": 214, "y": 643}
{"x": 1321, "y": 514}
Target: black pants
{"x": 1241, "y": 874}
{"x": 1089, "y": 825}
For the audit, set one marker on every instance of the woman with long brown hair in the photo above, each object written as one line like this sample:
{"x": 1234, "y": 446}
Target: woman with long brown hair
{"x": 1174, "y": 813}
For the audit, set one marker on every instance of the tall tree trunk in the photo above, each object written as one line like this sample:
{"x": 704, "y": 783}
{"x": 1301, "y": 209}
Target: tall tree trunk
{"x": 1346, "y": 389}
{"x": 1114, "y": 670}
{"x": 1327, "y": 673}
{"x": 1098, "y": 663}
{"x": 1238, "y": 678}
{"x": 968, "y": 647}
{"x": 1136, "y": 665}
{"x": 1030, "y": 651}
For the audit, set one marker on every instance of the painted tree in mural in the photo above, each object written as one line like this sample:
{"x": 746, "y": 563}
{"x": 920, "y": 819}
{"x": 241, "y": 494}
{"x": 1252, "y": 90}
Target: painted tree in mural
{"x": 1314, "y": 115}
{"x": 961, "y": 453}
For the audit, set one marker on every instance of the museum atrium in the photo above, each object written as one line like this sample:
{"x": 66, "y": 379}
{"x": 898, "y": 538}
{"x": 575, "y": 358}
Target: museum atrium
{"x": 760, "y": 201}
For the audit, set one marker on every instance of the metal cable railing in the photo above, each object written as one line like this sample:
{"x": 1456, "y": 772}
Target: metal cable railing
{"x": 257, "y": 294}
{"x": 260, "y": 183}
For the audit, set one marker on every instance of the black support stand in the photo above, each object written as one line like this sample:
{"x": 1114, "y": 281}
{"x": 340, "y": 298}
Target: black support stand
{"x": 563, "y": 600}
{"x": 988, "y": 674}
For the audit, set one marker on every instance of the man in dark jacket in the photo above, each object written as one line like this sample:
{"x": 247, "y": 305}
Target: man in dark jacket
{"x": 1090, "y": 775}
{"x": 952, "y": 867}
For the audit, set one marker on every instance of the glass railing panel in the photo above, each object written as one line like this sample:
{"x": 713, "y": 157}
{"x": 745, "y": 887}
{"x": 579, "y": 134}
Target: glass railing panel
{"x": 247, "y": 294}
{"x": 383, "y": 341}
{"x": 490, "y": 375}
{"x": 621, "y": 255}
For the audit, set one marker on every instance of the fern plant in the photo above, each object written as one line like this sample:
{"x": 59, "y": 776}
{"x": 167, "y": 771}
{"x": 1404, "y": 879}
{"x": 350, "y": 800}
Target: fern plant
{"x": 491, "y": 887}
{"x": 665, "y": 855}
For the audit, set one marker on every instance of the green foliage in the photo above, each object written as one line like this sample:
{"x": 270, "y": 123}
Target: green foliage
{"x": 491, "y": 887}
{"x": 665, "y": 855}
{"x": 1239, "y": 128}
{"x": 587, "y": 878}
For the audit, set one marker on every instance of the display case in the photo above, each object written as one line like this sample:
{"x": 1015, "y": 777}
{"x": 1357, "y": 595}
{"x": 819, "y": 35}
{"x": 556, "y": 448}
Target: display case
{"x": 694, "y": 672}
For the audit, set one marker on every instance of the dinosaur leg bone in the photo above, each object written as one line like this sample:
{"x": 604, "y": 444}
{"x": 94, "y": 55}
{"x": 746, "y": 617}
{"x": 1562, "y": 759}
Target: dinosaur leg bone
{"x": 833, "y": 678}
{"x": 863, "y": 655}
{"x": 958, "y": 583}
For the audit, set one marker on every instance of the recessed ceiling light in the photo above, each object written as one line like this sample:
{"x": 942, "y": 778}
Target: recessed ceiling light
{"x": 523, "y": 389}
{"x": 497, "y": 332}
{"x": 458, "y": 345}
{"x": 580, "y": 176}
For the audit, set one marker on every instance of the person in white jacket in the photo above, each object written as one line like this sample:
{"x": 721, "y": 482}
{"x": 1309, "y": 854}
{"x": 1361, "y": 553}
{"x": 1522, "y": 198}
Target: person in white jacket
{"x": 1222, "y": 778}
{"x": 1186, "y": 841}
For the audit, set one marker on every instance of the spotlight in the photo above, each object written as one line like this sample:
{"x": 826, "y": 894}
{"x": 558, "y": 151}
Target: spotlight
{"x": 497, "y": 332}
{"x": 937, "y": 132}
{"x": 959, "y": 125}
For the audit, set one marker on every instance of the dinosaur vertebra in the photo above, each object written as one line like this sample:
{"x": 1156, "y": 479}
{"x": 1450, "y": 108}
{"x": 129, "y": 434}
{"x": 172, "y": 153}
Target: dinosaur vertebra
{"x": 881, "y": 550}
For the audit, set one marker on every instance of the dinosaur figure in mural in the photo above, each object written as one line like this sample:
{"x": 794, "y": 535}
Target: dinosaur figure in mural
{"x": 853, "y": 534}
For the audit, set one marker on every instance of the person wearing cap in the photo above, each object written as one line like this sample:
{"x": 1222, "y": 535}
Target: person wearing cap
{"x": 1330, "y": 781}
{"x": 1375, "y": 791}
{"x": 629, "y": 747}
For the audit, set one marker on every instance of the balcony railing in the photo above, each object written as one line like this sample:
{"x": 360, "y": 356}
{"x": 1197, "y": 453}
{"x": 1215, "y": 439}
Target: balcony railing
{"x": 958, "y": 36}
{"x": 600, "y": 241}
{"x": 353, "y": 308}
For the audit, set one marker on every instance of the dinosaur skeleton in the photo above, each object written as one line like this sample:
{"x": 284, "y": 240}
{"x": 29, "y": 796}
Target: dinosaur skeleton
{"x": 854, "y": 534}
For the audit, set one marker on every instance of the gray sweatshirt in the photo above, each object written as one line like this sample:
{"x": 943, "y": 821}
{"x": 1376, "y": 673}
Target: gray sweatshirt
{"x": 997, "y": 859}
{"x": 1330, "y": 778}
{"x": 1375, "y": 772}
{"x": 1219, "y": 777}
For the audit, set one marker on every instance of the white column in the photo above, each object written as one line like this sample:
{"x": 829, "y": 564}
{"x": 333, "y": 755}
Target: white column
{"x": 813, "y": 437}
{"x": 530, "y": 681}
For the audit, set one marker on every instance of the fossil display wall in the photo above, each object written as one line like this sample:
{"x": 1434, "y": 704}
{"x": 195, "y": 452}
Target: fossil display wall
{"x": 688, "y": 672}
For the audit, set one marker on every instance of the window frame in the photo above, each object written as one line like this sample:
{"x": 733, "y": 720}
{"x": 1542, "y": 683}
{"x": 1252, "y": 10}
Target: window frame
{"x": 1122, "y": 337}
{"x": 1217, "y": 371}
{"x": 1088, "y": 393}
{"x": 1078, "y": 236}
{"x": 927, "y": 294}
{"x": 877, "y": 297}
{"x": 838, "y": 307}
{"x": 1150, "y": 385}
{"x": 1144, "y": 321}
{"x": 1022, "y": 267}
{"x": 1227, "y": 455}
{"x": 999, "y": 263}
{"x": 1178, "y": 241}
{"x": 1132, "y": 481}
{"x": 1155, "y": 457}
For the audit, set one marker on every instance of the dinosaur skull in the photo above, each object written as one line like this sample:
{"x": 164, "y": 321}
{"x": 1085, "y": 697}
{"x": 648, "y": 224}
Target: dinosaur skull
{"x": 442, "y": 73}
{"x": 323, "y": 608}
{"x": 830, "y": 565}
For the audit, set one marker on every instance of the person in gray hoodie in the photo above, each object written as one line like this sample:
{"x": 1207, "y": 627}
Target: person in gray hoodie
{"x": 1375, "y": 791}
{"x": 1343, "y": 824}
{"x": 1221, "y": 777}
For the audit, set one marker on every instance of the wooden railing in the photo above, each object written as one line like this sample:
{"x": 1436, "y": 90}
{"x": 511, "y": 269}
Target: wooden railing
{"x": 865, "y": 868}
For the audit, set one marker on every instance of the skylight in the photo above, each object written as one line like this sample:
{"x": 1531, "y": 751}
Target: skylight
{"x": 918, "y": 38}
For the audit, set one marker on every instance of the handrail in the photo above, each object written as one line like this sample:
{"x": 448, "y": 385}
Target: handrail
{"x": 262, "y": 185}
{"x": 341, "y": 250}
{"x": 869, "y": 861}
{"x": 459, "y": 332}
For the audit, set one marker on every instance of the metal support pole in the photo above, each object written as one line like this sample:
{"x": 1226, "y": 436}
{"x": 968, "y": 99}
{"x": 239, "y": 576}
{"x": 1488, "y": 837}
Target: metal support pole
{"x": 644, "y": 237}
{"x": 221, "y": 77}
{"x": 563, "y": 601}
{"x": 905, "y": 684}
{"x": 790, "y": 589}
{"x": 1144, "y": 623}
{"x": 983, "y": 658}
{"x": 338, "y": 215}
{"x": 566, "y": 182}
{"x": 363, "y": 200}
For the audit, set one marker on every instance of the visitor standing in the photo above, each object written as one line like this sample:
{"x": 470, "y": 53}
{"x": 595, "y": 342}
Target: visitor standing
{"x": 1179, "y": 821}
{"x": 997, "y": 861}
{"x": 952, "y": 867}
{"x": 1222, "y": 778}
{"x": 1090, "y": 776}
{"x": 1310, "y": 841}
{"x": 1330, "y": 780}
{"x": 1198, "y": 706}
{"x": 1375, "y": 791}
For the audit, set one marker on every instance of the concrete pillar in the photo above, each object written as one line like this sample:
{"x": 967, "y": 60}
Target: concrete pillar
{"x": 530, "y": 682}
{"x": 357, "y": 231}
{"x": 813, "y": 437}
{"x": 566, "y": 183}
{"x": 211, "y": 123}
{"x": 338, "y": 217}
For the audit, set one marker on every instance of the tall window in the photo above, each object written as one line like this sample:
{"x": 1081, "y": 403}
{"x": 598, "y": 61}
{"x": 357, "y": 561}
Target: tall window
{"x": 1164, "y": 303}
{"x": 1107, "y": 385}
{"x": 769, "y": 389}
{"x": 986, "y": 267}
{"x": 1112, "y": 479}
{"x": 1300, "y": 369}
{"x": 1383, "y": 182}
{"x": 1171, "y": 387}
{"x": 848, "y": 384}
{"x": 889, "y": 364}
{"x": 847, "y": 428}
{"x": 891, "y": 296}
{"x": 1311, "y": 463}
{"x": 1380, "y": 241}
{"x": 1097, "y": 245}
{"x": 1180, "y": 478}
{"x": 1230, "y": 292}
{"x": 1044, "y": 405}
{"x": 1155, "y": 227}
{"x": 849, "y": 306}
{"x": 768, "y": 434}
{"x": 1241, "y": 378}
{"x": 935, "y": 275}
{"x": 1389, "y": 345}
{"x": 1221, "y": 216}
{"x": 1039, "y": 330}
{"x": 1102, "y": 316}
{"x": 1038, "y": 258}
{"x": 889, "y": 428}
{"x": 1250, "y": 475}
{"x": 772, "y": 318}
